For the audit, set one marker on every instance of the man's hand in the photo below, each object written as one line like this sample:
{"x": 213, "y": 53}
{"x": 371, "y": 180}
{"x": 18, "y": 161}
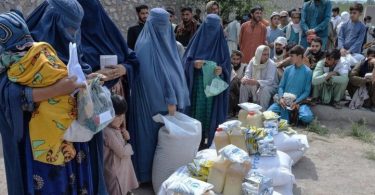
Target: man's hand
{"x": 330, "y": 75}
{"x": 198, "y": 64}
{"x": 343, "y": 52}
{"x": 282, "y": 103}
{"x": 311, "y": 31}
{"x": 294, "y": 106}
{"x": 253, "y": 82}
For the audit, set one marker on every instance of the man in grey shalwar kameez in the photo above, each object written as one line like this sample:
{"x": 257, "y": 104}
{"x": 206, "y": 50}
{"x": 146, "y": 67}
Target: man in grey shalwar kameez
{"x": 260, "y": 80}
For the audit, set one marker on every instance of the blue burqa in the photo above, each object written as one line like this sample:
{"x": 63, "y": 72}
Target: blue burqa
{"x": 209, "y": 44}
{"x": 46, "y": 24}
{"x": 100, "y": 36}
{"x": 11, "y": 129}
{"x": 161, "y": 82}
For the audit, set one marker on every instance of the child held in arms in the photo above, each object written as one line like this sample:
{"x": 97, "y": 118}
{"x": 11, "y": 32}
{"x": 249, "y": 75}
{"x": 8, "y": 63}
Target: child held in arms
{"x": 36, "y": 65}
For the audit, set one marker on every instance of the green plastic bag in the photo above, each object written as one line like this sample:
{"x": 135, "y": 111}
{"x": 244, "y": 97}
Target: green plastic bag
{"x": 213, "y": 84}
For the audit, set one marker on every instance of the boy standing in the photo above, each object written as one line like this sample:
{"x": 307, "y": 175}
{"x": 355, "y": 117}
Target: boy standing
{"x": 352, "y": 33}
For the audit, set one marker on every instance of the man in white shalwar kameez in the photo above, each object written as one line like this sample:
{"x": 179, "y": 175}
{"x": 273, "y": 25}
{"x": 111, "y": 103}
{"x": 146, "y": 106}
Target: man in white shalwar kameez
{"x": 260, "y": 81}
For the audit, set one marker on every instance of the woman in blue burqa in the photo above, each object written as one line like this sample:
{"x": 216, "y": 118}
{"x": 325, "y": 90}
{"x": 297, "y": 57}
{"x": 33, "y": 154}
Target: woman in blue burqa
{"x": 96, "y": 36}
{"x": 208, "y": 44}
{"x": 159, "y": 88}
{"x": 25, "y": 175}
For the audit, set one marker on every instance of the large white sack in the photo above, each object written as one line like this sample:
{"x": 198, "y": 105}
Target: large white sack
{"x": 283, "y": 190}
{"x": 178, "y": 143}
{"x": 277, "y": 168}
{"x": 284, "y": 142}
{"x": 296, "y": 155}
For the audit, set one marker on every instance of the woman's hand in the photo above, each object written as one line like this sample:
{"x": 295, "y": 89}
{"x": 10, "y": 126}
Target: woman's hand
{"x": 67, "y": 85}
{"x": 64, "y": 86}
{"x": 198, "y": 64}
{"x": 218, "y": 70}
{"x": 171, "y": 109}
{"x": 112, "y": 72}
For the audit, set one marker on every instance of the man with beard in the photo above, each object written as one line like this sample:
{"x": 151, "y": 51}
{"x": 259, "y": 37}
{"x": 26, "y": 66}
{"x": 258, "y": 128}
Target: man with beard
{"x": 134, "y": 31}
{"x": 253, "y": 34}
{"x": 330, "y": 79}
{"x": 260, "y": 80}
{"x": 238, "y": 70}
{"x": 187, "y": 28}
{"x": 281, "y": 57}
{"x": 362, "y": 76}
{"x": 314, "y": 53}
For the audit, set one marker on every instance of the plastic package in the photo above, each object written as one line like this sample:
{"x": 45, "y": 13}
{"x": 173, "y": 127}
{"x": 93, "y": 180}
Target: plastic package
{"x": 189, "y": 186}
{"x": 249, "y": 107}
{"x": 266, "y": 146}
{"x": 257, "y": 184}
{"x": 95, "y": 109}
{"x": 271, "y": 127}
{"x": 235, "y": 154}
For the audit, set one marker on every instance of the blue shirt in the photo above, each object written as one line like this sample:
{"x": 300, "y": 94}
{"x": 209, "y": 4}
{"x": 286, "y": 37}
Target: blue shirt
{"x": 316, "y": 16}
{"x": 351, "y": 37}
{"x": 296, "y": 81}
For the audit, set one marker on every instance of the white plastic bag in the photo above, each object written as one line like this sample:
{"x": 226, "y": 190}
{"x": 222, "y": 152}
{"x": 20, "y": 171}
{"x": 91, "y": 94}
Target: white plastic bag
{"x": 178, "y": 143}
{"x": 74, "y": 68}
{"x": 250, "y": 107}
{"x": 189, "y": 186}
{"x": 76, "y": 132}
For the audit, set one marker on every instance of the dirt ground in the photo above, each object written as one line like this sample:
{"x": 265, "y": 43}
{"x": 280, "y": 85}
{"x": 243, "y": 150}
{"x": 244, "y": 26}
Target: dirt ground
{"x": 334, "y": 164}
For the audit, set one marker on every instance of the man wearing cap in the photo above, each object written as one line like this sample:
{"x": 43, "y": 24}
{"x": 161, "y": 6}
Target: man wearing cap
{"x": 284, "y": 19}
{"x": 316, "y": 14}
{"x": 273, "y": 31}
{"x": 253, "y": 34}
{"x": 172, "y": 17}
{"x": 281, "y": 57}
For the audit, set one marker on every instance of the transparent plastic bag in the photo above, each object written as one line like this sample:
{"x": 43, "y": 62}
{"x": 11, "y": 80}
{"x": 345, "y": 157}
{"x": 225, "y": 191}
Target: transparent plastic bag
{"x": 95, "y": 109}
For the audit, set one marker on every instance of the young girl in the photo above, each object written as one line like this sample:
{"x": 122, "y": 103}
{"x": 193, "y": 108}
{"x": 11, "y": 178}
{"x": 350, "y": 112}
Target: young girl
{"x": 118, "y": 168}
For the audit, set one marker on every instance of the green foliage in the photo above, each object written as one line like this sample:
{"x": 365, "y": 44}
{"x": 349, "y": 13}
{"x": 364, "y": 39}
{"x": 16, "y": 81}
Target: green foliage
{"x": 361, "y": 132}
{"x": 317, "y": 128}
{"x": 239, "y": 7}
{"x": 370, "y": 155}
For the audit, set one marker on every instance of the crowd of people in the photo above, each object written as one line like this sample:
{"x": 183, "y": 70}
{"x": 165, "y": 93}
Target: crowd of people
{"x": 312, "y": 55}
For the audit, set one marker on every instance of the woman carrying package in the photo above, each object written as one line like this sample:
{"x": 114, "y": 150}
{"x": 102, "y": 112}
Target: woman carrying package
{"x": 38, "y": 160}
{"x": 208, "y": 48}
{"x": 159, "y": 88}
